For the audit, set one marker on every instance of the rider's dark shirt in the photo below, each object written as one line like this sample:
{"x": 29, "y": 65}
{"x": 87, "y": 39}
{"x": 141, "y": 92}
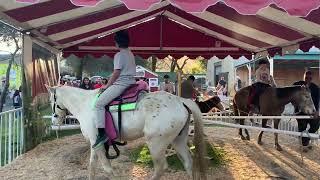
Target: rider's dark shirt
{"x": 314, "y": 90}
{"x": 86, "y": 87}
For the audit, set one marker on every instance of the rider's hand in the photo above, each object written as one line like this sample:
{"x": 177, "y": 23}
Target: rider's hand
{"x": 316, "y": 114}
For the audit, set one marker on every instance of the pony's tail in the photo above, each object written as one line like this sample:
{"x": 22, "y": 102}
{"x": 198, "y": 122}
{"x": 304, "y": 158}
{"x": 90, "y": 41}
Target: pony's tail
{"x": 199, "y": 160}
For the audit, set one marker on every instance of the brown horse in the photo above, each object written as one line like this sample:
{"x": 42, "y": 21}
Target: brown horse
{"x": 272, "y": 103}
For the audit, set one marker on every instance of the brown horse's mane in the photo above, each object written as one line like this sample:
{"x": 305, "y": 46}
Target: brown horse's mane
{"x": 284, "y": 92}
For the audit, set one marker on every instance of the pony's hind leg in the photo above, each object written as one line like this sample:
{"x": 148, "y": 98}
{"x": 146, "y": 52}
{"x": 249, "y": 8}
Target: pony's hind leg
{"x": 276, "y": 143}
{"x": 181, "y": 147}
{"x": 157, "y": 147}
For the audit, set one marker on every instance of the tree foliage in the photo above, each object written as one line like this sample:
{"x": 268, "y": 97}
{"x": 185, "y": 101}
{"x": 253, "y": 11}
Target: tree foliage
{"x": 10, "y": 36}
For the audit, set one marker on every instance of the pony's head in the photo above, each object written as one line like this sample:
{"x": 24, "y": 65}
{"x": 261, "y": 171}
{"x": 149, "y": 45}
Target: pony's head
{"x": 59, "y": 112}
{"x": 303, "y": 100}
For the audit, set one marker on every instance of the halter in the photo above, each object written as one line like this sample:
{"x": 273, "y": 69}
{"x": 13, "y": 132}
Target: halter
{"x": 55, "y": 105}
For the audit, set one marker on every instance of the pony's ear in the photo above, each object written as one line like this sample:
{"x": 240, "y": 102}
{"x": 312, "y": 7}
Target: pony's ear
{"x": 50, "y": 89}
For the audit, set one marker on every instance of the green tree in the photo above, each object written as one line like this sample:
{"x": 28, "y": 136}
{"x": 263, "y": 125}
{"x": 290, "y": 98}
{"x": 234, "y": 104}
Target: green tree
{"x": 8, "y": 35}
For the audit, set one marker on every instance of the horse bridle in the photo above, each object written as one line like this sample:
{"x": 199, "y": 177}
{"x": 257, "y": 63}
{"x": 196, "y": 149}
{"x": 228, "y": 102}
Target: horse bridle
{"x": 55, "y": 105}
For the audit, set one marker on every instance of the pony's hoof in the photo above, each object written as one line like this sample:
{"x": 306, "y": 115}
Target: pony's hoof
{"x": 305, "y": 149}
{"x": 278, "y": 147}
{"x": 248, "y": 138}
{"x": 260, "y": 143}
{"x": 243, "y": 138}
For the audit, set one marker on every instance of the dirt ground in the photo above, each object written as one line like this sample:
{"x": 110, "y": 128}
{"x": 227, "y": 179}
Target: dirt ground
{"x": 67, "y": 158}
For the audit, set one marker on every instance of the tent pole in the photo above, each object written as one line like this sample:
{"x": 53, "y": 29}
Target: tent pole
{"x": 179, "y": 82}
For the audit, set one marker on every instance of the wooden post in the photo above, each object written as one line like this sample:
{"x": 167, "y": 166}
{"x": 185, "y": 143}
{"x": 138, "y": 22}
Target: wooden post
{"x": 179, "y": 82}
{"x": 250, "y": 73}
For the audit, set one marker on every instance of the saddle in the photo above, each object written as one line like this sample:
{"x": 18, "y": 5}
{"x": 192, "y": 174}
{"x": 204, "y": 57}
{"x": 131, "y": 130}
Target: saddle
{"x": 125, "y": 102}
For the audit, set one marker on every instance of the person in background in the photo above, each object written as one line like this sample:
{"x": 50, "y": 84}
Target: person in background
{"x": 238, "y": 84}
{"x": 314, "y": 123}
{"x": 98, "y": 84}
{"x": 263, "y": 81}
{"x": 104, "y": 81}
{"x": 222, "y": 87}
{"x": 17, "y": 102}
{"x": 221, "y": 82}
{"x": 143, "y": 82}
{"x": 187, "y": 88}
{"x": 62, "y": 81}
{"x": 167, "y": 85}
{"x": 86, "y": 84}
{"x": 75, "y": 83}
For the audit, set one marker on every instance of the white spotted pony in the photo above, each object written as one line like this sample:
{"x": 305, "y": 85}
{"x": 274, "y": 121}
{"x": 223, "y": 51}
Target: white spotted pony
{"x": 160, "y": 117}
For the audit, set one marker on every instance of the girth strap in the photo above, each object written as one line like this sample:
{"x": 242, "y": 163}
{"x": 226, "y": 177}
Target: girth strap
{"x": 120, "y": 118}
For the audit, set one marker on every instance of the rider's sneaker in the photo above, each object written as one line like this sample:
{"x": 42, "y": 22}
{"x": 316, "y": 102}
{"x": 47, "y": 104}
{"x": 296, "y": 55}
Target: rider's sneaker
{"x": 100, "y": 141}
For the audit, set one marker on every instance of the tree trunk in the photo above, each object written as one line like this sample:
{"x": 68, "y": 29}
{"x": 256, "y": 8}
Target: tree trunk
{"x": 154, "y": 63}
{"x": 79, "y": 76}
{"x": 7, "y": 83}
{"x": 173, "y": 64}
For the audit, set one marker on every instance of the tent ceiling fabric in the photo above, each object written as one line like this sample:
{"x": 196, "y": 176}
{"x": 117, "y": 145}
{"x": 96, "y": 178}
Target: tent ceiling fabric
{"x": 158, "y": 42}
{"x": 293, "y": 7}
{"x": 67, "y": 24}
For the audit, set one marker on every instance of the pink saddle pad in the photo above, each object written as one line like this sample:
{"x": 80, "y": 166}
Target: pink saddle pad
{"x": 131, "y": 94}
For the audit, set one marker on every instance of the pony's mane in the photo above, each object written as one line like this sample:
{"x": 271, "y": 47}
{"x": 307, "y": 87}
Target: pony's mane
{"x": 77, "y": 90}
{"x": 286, "y": 91}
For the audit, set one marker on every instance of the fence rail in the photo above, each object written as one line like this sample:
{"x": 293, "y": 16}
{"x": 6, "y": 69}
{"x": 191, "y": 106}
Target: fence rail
{"x": 11, "y": 135}
{"x": 288, "y": 124}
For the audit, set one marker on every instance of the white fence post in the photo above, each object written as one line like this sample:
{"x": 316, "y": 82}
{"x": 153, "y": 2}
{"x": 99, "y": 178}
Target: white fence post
{"x": 11, "y": 135}
{"x": 10, "y": 139}
{"x": 22, "y": 133}
{"x": 1, "y": 137}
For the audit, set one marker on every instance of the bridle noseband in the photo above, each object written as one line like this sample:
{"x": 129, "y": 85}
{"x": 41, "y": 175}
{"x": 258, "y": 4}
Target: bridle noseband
{"x": 55, "y": 105}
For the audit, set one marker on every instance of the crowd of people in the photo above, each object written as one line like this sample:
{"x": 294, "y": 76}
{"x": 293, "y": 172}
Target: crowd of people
{"x": 86, "y": 83}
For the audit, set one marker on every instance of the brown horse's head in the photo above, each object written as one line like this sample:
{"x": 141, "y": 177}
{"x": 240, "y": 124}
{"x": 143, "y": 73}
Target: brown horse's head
{"x": 217, "y": 102}
{"x": 303, "y": 101}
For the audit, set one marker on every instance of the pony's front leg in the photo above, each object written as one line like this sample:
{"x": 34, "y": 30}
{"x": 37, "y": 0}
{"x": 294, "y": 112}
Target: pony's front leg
{"x": 264, "y": 125}
{"x": 92, "y": 164}
{"x": 246, "y": 131}
{"x": 276, "y": 143}
{"x": 104, "y": 161}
